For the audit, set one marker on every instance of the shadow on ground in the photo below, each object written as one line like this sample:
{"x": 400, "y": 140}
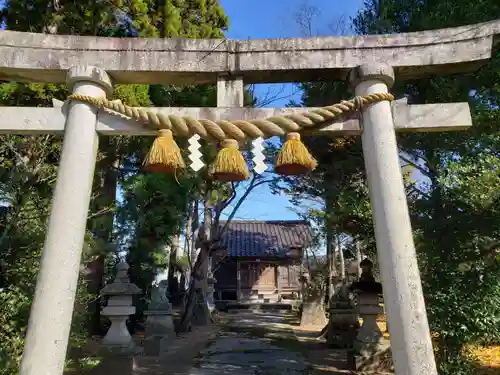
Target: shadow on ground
{"x": 275, "y": 329}
{"x": 284, "y": 331}
{"x": 244, "y": 343}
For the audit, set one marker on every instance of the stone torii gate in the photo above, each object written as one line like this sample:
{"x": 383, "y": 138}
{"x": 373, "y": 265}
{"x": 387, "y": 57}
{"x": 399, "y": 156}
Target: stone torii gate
{"x": 91, "y": 65}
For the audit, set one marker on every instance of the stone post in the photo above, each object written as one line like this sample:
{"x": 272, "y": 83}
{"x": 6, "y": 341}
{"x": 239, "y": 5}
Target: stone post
{"x": 52, "y": 309}
{"x": 118, "y": 309}
{"x": 410, "y": 339}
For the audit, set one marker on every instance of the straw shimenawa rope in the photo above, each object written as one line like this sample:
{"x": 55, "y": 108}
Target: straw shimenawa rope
{"x": 236, "y": 129}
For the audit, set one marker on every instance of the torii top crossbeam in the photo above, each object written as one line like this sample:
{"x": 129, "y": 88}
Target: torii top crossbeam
{"x": 46, "y": 58}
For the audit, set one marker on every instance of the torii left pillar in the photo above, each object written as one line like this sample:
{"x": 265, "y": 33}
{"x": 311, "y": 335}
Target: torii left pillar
{"x": 52, "y": 310}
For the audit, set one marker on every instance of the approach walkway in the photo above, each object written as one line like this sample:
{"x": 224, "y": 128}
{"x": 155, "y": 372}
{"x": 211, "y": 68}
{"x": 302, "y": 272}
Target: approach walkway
{"x": 242, "y": 343}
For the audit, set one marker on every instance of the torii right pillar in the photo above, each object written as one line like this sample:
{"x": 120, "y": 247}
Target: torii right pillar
{"x": 411, "y": 343}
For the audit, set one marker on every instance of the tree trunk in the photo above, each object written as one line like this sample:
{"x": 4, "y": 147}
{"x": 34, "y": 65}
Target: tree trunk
{"x": 332, "y": 266}
{"x": 173, "y": 282}
{"x": 341, "y": 256}
{"x": 359, "y": 257}
{"x": 196, "y": 225}
{"x": 196, "y": 308}
{"x": 313, "y": 311}
{"x": 189, "y": 231}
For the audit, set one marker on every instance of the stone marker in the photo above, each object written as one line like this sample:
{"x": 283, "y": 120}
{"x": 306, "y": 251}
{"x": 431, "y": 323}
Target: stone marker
{"x": 159, "y": 324}
{"x": 118, "y": 309}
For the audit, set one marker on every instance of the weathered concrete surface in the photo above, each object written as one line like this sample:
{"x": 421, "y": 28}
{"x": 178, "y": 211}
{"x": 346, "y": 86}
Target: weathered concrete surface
{"x": 425, "y": 117}
{"x": 52, "y": 309}
{"x": 46, "y": 58}
{"x": 402, "y": 288}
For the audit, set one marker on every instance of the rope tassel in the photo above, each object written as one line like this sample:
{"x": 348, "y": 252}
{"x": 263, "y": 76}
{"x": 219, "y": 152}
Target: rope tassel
{"x": 164, "y": 155}
{"x": 294, "y": 158}
{"x": 229, "y": 164}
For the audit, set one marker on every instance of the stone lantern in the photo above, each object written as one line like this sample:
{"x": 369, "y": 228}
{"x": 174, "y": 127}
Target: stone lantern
{"x": 118, "y": 309}
{"x": 369, "y": 341}
{"x": 343, "y": 320}
{"x": 159, "y": 324}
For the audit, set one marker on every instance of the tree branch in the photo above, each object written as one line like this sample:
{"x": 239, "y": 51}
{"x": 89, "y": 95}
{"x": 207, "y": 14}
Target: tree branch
{"x": 426, "y": 173}
{"x": 250, "y": 187}
{"x": 228, "y": 201}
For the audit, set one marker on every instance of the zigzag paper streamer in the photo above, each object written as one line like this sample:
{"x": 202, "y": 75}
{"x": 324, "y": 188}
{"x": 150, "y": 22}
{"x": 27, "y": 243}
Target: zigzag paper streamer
{"x": 258, "y": 156}
{"x": 194, "y": 153}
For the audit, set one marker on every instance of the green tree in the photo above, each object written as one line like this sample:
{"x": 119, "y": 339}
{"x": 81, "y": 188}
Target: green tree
{"x": 22, "y": 239}
{"x": 337, "y": 184}
{"x": 454, "y": 204}
{"x": 145, "y": 236}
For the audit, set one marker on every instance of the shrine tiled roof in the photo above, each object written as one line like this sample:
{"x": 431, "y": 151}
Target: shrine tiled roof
{"x": 245, "y": 238}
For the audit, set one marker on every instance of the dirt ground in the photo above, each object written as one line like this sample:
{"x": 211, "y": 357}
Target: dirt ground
{"x": 177, "y": 361}
{"x": 185, "y": 354}
{"x": 323, "y": 360}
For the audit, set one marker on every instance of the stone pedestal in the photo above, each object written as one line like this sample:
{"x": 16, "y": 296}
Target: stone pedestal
{"x": 160, "y": 329}
{"x": 160, "y": 332}
{"x": 343, "y": 324}
{"x": 118, "y": 309}
{"x": 159, "y": 323}
{"x": 118, "y": 336}
{"x": 370, "y": 345}
{"x": 369, "y": 335}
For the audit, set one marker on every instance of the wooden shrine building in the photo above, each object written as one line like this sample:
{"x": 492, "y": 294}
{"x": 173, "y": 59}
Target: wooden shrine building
{"x": 261, "y": 261}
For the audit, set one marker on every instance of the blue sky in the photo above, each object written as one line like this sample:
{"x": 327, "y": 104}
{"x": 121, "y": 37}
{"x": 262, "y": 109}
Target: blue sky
{"x": 257, "y": 19}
